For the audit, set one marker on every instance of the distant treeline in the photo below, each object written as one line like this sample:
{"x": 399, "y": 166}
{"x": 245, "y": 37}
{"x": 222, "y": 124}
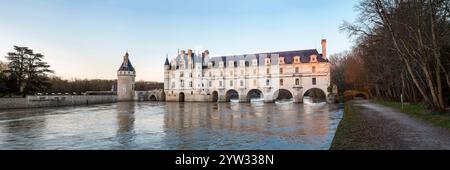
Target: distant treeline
{"x": 59, "y": 85}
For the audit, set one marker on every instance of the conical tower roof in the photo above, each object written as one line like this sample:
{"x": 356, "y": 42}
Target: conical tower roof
{"x": 126, "y": 64}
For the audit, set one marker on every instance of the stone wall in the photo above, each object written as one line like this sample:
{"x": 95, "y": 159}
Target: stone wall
{"x": 54, "y": 101}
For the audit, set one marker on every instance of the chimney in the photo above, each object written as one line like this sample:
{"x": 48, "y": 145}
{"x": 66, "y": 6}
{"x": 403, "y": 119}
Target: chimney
{"x": 324, "y": 48}
{"x": 183, "y": 52}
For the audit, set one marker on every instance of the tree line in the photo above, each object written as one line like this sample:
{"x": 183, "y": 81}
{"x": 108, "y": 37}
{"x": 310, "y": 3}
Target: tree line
{"x": 25, "y": 73}
{"x": 402, "y": 51}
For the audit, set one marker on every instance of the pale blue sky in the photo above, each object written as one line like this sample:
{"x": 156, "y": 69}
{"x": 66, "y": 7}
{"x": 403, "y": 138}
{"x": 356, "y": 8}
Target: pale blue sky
{"x": 87, "y": 38}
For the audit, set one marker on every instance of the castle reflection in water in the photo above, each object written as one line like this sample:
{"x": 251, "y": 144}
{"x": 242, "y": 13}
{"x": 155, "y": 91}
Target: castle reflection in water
{"x": 133, "y": 125}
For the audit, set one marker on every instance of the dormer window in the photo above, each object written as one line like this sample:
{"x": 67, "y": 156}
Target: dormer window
{"x": 297, "y": 59}
{"x": 231, "y": 63}
{"x": 267, "y": 61}
{"x": 281, "y": 60}
{"x": 255, "y": 62}
{"x": 313, "y": 58}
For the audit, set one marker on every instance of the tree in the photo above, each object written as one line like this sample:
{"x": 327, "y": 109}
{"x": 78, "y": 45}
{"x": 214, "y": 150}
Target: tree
{"x": 28, "y": 71}
{"x": 403, "y": 45}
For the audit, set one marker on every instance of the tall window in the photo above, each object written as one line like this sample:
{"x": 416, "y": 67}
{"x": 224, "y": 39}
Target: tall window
{"x": 297, "y": 82}
{"x": 313, "y": 69}
{"x": 182, "y": 75}
{"x": 231, "y": 83}
{"x": 190, "y": 75}
{"x": 220, "y": 83}
{"x": 281, "y": 70}
{"x": 296, "y": 70}
{"x": 209, "y": 84}
{"x": 281, "y": 82}
{"x": 190, "y": 84}
{"x": 267, "y": 82}
{"x": 221, "y": 73}
{"x": 182, "y": 83}
{"x": 268, "y": 70}
{"x": 242, "y": 83}
{"x": 314, "y": 81}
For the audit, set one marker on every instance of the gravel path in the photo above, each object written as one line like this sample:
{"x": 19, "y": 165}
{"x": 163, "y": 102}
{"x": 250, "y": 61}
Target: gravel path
{"x": 398, "y": 131}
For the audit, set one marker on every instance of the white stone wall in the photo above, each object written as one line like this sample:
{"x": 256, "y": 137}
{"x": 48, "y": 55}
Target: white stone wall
{"x": 125, "y": 87}
{"x": 255, "y": 77}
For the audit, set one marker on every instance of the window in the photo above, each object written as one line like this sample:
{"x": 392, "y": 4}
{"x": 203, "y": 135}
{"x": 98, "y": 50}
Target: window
{"x": 220, "y": 83}
{"x": 267, "y": 82}
{"x": 267, "y": 61}
{"x": 221, "y": 73}
{"x": 173, "y": 84}
{"x": 281, "y": 70}
{"x": 182, "y": 83}
{"x": 297, "y": 82}
{"x": 313, "y": 69}
{"x": 242, "y": 83}
{"x": 281, "y": 60}
{"x": 281, "y": 82}
{"x": 209, "y": 84}
{"x": 268, "y": 71}
{"x": 192, "y": 93}
{"x": 296, "y": 70}
{"x": 231, "y": 83}
{"x": 182, "y": 75}
{"x": 190, "y": 75}
{"x": 190, "y": 84}
{"x": 314, "y": 81}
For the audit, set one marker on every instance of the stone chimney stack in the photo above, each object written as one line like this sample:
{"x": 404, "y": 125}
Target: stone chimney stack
{"x": 324, "y": 48}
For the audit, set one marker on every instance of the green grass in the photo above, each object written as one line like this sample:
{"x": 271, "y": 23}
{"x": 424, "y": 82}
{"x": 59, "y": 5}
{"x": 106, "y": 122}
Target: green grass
{"x": 346, "y": 128}
{"x": 421, "y": 112}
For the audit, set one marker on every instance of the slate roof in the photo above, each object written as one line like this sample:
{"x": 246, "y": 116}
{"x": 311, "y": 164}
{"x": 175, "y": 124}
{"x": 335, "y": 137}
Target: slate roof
{"x": 126, "y": 64}
{"x": 288, "y": 58}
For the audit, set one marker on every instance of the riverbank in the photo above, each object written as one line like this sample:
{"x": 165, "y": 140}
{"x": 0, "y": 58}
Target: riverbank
{"x": 55, "y": 101}
{"x": 371, "y": 126}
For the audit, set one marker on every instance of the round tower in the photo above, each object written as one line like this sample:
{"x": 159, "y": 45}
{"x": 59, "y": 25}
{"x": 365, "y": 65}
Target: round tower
{"x": 166, "y": 74}
{"x": 125, "y": 80}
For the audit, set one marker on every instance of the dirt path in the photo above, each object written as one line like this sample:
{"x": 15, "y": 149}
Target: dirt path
{"x": 396, "y": 130}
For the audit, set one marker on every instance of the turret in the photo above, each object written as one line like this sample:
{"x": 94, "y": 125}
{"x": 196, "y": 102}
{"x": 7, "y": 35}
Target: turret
{"x": 125, "y": 80}
{"x": 166, "y": 73}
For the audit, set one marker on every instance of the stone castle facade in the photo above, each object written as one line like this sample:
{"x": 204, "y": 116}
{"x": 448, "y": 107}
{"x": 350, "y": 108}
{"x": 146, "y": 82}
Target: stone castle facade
{"x": 269, "y": 77}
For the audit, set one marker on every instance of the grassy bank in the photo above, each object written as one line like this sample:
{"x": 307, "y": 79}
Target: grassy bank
{"x": 347, "y": 133}
{"x": 421, "y": 112}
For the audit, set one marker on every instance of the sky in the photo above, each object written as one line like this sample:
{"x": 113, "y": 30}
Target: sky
{"x": 87, "y": 39}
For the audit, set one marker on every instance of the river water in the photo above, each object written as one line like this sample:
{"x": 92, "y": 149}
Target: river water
{"x": 168, "y": 126}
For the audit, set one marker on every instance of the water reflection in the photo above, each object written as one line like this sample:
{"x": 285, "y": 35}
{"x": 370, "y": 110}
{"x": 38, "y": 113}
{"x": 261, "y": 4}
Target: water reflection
{"x": 129, "y": 125}
{"x": 125, "y": 120}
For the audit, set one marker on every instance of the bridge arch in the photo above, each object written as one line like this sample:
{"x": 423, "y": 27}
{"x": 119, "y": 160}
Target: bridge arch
{"x": 283, "y": 94}
{"x": 254, "y": 94}
{"x": 231, "y": 94}
{"x": 315, "y": 95}
{"x": 153, "y": 98}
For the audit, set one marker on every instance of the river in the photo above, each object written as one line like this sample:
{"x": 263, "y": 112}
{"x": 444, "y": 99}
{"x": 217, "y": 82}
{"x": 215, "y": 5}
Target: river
{"x": 169, "y": 126}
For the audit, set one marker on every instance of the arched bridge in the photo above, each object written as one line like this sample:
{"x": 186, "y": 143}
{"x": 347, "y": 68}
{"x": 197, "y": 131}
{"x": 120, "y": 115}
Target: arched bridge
{"x": 152, "y": 95}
